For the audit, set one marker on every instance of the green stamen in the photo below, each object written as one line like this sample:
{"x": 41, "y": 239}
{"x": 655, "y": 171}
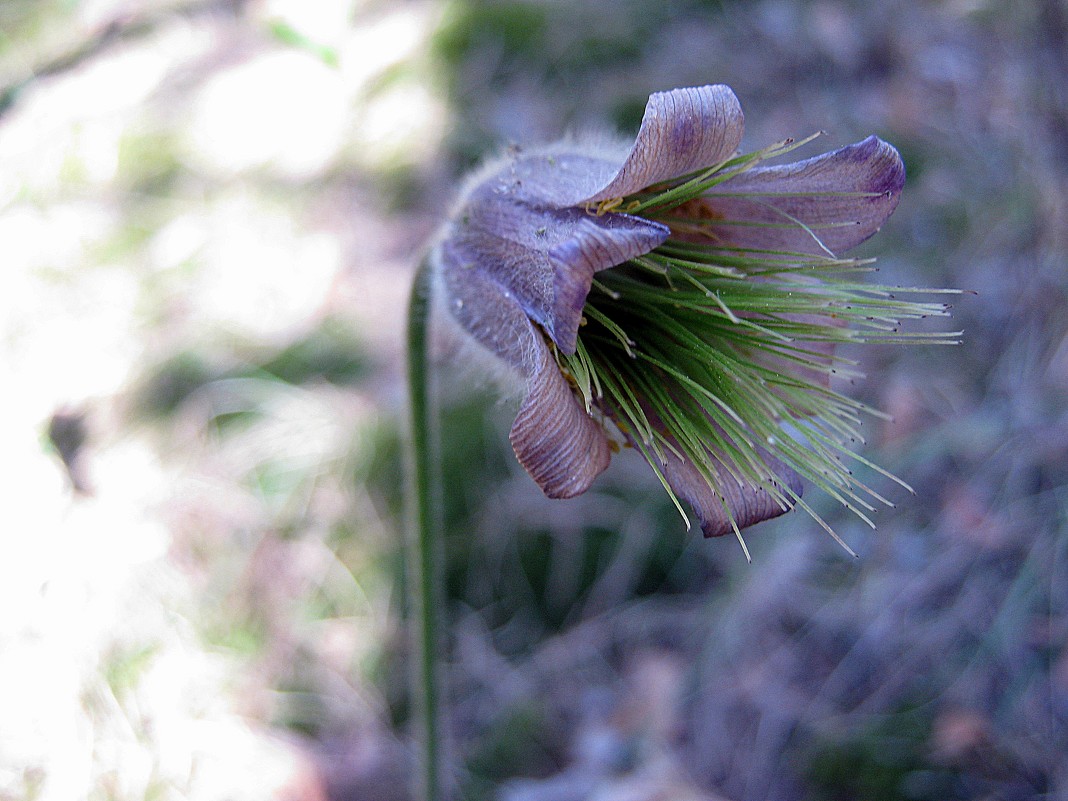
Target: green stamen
{"x": 706, "y": 350}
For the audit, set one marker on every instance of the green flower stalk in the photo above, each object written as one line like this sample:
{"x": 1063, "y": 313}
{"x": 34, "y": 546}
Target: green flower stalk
{"x": 686, "y": 301}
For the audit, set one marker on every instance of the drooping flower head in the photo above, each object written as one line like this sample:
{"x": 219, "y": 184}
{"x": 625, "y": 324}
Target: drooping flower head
{"x": 683, "y": 299}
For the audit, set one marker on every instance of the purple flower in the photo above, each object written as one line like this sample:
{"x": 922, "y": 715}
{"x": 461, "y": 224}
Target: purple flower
{"x": 519, "y": 256}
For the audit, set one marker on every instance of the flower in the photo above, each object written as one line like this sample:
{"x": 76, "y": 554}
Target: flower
{"x": 682, "y": 297}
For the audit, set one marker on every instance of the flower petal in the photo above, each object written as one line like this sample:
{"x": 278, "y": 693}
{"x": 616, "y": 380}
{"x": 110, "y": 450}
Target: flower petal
{"x": 559, "y": 445}
{"x": 682, "y": 131}
{"x": 557, "y": 442}
{"x": 748, "y": 504}
{"x": 830, "y": 203}
{"x": 596, "y": 243}
{"x": 545, "y": 257}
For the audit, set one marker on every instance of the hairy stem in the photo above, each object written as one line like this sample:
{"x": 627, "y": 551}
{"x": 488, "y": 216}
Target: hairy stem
{"x": 422, "y": 542}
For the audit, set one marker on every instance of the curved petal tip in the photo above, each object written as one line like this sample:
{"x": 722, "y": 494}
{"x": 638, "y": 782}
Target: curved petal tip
{"x": 596, "y": 243}
{"x": 557, "y": 443}
{"x": 683, "y": 130}
{"x": 826, "y": 204}
{"x": 748, "y": 504}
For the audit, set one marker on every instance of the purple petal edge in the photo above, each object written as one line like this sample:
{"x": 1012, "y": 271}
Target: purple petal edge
{"x": 554, "y": 439}
{"x": 748, "y": 504}
{"x": 843, "y": 197}
{"x": 560, "y": 446}
{"x": 682, "y": 130}
{"x": 598, "y": 243}
{"x": 545, "y": 257}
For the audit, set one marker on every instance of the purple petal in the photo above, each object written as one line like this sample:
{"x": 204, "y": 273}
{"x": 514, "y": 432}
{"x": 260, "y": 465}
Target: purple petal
{"x": 597, "y": 243}
{"x": 842, "y": 198}
{"x": 560, "y": 446}
{"x": 544, "y": 257}
{"x": 748, "y": 504}
{"x": 567, "y": 173}
{"x": 682, "y": 131}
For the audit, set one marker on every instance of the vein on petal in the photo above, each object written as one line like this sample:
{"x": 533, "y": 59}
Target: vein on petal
{"x": 682, "y": 131}
{"x": 827, "y": 203}
{"x": 560, "y": 446}
{"x": 748, "y": 503}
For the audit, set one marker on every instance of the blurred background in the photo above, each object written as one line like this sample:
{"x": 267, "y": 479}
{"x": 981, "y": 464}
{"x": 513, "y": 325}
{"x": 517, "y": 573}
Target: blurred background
{"x": 210, "y": 211}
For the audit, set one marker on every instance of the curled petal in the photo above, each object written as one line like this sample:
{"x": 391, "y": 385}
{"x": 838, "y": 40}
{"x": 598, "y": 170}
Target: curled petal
{"x": 596, "y": 244}
{"x": 822, "y": 205}
{"x": 682, "y": 131}
{"x": 560, "y": 446}
{"x": 523, "y": 224}
{"x": 748, "y": 504}
{"x": 545, "y": 257}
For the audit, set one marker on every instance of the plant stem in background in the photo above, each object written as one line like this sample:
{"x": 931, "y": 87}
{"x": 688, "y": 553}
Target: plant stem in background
{"x": 423, "y": 555}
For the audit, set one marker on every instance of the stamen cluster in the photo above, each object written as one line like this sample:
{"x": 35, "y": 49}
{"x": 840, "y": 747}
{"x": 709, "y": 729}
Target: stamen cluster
{"x": 723, "y": 355}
